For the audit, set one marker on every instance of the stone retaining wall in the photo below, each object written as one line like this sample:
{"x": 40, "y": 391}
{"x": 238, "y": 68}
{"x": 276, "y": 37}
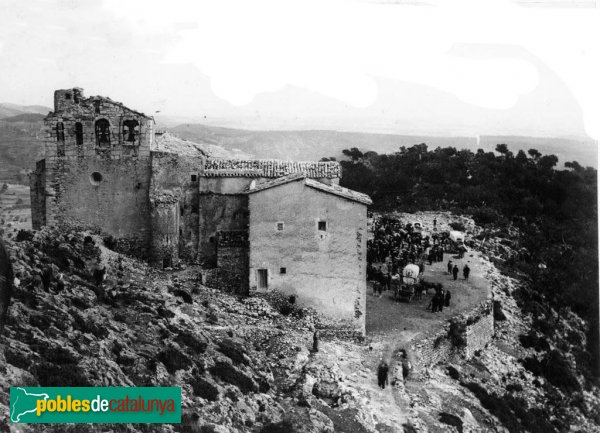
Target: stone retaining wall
{"x": 458, "y": 338}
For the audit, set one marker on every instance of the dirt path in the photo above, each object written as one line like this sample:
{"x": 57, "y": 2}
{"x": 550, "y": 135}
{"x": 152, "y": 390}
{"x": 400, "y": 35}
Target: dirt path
{"x": 391, "y": 326}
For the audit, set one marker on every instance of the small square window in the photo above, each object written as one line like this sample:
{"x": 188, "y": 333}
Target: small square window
{"x": 279, "y": 227}
{"x": 323, "y": 226}
{"x": 283, "y": 270}
{"x": 194, "y": 178}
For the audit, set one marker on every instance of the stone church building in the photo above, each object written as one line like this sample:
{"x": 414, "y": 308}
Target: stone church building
{"x": 254, "y": 224}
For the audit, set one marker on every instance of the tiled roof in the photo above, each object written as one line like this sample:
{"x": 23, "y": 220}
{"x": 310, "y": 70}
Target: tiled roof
{"x": 275, "y": 182}
{"x": 270, "y": 168}
{"x": 331, "y": 189}
{"x": 339, "y": 190}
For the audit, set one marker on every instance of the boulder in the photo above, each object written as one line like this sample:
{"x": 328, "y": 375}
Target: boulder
{"x": 195, "y": 342}
{"x": 183, "y": 294}
{"x": 174, "y": 358}
{"x": 205, "y": 387}
{"x": 233, "y": 375}
{"x": 234, "y": 350}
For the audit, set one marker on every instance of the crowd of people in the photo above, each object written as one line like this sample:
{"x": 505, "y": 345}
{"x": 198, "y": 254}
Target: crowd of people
{"x": 396, "y": 244}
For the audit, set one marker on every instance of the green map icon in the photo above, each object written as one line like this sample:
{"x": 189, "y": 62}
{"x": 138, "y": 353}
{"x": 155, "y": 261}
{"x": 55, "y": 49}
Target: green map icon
{"x": 24, "y": 402}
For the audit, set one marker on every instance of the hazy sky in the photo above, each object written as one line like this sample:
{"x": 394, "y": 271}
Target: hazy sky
{"x": 447, "y": 67}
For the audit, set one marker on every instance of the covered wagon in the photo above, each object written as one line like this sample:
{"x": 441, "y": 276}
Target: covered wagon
{"x": 407, "y": 285}
{"x": 457, "y": 237}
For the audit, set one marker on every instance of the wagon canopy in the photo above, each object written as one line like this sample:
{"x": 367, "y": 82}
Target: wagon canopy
{"x": 410, "y": 274}
{"x": 457, "y": 236}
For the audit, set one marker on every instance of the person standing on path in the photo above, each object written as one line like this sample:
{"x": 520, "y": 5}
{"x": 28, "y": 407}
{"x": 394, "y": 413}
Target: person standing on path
{"x": 455, "y": 272}
{"x": 449, "y": 267}
{"x": 316, "y": 341}
{"x": 466, "y": 272}
{"x": 382, "y": 374}
{"x": 406, "y": 366}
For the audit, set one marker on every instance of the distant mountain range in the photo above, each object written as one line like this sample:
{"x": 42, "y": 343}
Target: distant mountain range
{"x": 20, "y": 147}
{"x": 313, "y": 145}
{"x": 9, "y": 110}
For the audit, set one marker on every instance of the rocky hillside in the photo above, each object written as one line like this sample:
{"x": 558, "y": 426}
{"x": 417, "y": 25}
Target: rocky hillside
{"x": 243, "y": 364}
{"x": 247, "y": 365}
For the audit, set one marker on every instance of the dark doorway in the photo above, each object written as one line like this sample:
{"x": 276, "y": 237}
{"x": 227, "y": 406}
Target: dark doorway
{"x": 263, "y": 279}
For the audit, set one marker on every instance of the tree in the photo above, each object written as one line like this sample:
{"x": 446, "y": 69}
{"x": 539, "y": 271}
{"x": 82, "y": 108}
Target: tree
{"x": 354, "y": 154}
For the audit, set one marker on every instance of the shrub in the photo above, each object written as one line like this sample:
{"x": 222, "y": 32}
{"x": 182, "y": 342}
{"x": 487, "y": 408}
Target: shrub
{"x": 532, "y": 340}
{"x": 544, "y": 325}
{"x": 486, "y": 215}
{"x": 556, "y": 368}
{"x": 498, "y": 313}
{"x": 496, "y": 405}
{"x": 533, "y": 365}
{"x": 49, "y": 374}
{"x": 513, "y": 412}
{"x": 286, "y": 305}
{"x": 451, "y": 420}
{"x": 559, "y": 372}
{"x": 110, "y": 242}
{"x": 457, "y": 333}
{"x": 284, "y": 426}
{"x": 457, "y": 225}
{"x": 453, "y": 372}
{"x": 514, "y": 387}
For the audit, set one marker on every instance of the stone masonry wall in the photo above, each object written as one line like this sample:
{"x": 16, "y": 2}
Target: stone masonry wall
{"x": 117, "y": 206}
{"x": 480, "y": 328}
{"x": 310, "y": 244}
{"x": 458, "y": 338}
{"x": 37, "y": 190}
{"x": 232, "y": 259}
{"x": 432, "y": 348}
{"x": 173, "y": 197}
{"x": 98, "y": 178}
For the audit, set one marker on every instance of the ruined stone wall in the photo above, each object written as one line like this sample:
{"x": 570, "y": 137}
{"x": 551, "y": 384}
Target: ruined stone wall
{"x": 98, "y": 178}
{"x": 480, "y": 328}
{"x": 174, "y": 207}
{"x": 37, "y": 191}
{"x": 458, "y": 338}
{"x": 116, "y": 205}
{"x": 232, "y": 260}
{"x": 433, "y": 348}
{"x": 71, "y": 131}
{"x": 324, "y": 269}
{"x": 218, "y": 212}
